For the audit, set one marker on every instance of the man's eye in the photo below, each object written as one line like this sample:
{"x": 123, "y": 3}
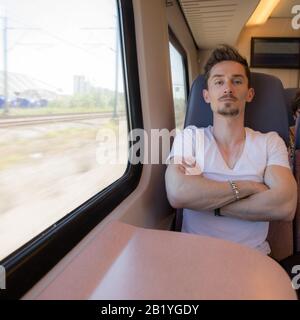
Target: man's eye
{"x": 218, "y": 82}
{"x": 237, "y": 81}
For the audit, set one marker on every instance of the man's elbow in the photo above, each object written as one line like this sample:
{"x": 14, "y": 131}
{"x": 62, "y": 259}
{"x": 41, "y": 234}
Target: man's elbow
{"x": 289, "y": 211}
{"x": 175, "y": 203}
{"x": 175, "y": 199}
{"x": 288, "y": 207}
{"x": 175, "y": 194}
{"x": 174, "y": 190}
{"x": 288, "y": 216}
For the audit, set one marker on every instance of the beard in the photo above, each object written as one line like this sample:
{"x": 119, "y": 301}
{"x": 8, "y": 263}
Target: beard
{"x": 229, "y": 110}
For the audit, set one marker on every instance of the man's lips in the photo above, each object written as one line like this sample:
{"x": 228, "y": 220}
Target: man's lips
{"x": 231, "y": 99}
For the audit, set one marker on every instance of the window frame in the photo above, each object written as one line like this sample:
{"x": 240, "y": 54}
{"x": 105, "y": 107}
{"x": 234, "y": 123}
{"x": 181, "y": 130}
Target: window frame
{"x": 178, "y": 46}
{"x": 28, "y": 264}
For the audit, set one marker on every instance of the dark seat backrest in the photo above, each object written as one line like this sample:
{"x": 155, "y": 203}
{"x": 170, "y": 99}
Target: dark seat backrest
{"x": 266, "y": 112}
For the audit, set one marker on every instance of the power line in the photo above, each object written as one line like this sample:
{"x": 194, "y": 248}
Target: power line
{"x": 59, "y": 38}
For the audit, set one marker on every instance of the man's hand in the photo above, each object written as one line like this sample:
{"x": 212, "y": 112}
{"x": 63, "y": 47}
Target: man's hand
{"x": 190, "y": 167}
{"x": 259, "y": 187}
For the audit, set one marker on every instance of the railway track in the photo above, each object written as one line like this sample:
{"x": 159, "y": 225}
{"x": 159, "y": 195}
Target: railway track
{"x": 7, "y": 122}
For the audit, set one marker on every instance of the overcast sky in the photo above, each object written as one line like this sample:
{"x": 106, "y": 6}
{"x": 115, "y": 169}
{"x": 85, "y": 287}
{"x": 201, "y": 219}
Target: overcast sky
{"x": 53, "y": 40}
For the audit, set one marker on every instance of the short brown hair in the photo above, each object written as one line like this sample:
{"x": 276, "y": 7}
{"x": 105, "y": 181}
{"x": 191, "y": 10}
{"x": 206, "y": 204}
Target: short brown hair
{"x": 225, "y": 53}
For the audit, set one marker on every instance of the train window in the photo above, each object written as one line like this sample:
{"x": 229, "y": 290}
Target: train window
{"x": 64, "y": 125}
{"x": 63, "y": 106}
{"x": 178, "y": 62}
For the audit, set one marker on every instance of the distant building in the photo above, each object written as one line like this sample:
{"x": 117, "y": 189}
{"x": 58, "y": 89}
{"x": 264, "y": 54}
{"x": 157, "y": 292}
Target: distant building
{"x": 80, "y": 85}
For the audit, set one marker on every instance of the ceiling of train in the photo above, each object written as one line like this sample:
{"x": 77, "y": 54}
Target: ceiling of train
{"x": 220, "y": 21}
{"x": 283, "y": 9}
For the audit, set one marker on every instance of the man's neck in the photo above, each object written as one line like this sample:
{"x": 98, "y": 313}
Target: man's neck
{"x": 229, "y": 133}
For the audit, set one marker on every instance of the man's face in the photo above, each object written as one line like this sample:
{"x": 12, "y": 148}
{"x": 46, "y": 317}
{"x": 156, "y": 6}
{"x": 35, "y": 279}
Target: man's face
{"x": 227, "y": 89}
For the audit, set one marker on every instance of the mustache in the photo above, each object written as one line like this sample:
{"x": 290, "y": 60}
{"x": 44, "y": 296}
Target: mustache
{"x": 228, "y": 96}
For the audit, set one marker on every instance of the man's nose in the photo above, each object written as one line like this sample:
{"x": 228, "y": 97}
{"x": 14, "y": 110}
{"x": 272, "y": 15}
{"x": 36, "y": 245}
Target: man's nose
{"x": 228, "y": 87}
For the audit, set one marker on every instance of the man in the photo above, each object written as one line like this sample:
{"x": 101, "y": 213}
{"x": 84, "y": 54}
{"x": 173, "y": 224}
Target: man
{"x": 245, "y": 180}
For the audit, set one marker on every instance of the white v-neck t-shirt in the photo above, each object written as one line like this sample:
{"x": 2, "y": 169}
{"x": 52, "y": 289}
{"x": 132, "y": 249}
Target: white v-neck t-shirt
{"x": 260, "y": 150}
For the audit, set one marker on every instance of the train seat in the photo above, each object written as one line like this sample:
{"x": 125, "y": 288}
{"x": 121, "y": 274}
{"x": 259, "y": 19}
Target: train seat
{"x": 267, "y": 112}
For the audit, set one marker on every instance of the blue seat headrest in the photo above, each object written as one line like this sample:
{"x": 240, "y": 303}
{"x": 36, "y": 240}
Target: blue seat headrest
{"x": 266, "y": 112}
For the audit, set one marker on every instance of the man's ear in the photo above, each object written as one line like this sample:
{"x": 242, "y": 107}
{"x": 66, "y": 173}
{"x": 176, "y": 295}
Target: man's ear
{"x": 206, "y": 95}
{"x": 250, "y": 95}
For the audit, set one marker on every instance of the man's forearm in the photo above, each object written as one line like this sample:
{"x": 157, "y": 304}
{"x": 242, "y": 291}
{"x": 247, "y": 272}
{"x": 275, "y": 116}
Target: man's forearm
{"x": 199, "y": 193}
{"x": 264, "y": 206}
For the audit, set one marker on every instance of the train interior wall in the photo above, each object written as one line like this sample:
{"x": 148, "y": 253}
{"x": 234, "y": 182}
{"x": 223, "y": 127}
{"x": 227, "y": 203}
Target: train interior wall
{"x": 274, "y": 27}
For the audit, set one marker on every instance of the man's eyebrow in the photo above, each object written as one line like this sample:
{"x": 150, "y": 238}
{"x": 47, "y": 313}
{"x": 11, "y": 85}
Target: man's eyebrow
{"x": 217, "y": 75}
{"x": 238, "y": 75}
{"x": 222, "y": 75}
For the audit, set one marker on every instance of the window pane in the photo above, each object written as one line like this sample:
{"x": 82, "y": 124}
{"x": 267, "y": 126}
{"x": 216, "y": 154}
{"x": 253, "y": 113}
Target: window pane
{"x": 179, "y": 85}
{"x": 63, "y": 122}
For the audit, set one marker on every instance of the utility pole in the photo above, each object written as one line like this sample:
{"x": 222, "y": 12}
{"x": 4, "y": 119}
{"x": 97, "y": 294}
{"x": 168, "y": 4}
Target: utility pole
{"x": 116, "y": 70}
{"x": 116, "y": 50}
{"x": 5, "y": 29}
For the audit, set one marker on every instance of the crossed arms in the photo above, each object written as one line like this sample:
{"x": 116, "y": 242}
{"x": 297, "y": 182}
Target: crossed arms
{"x": 275, "y": 199}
